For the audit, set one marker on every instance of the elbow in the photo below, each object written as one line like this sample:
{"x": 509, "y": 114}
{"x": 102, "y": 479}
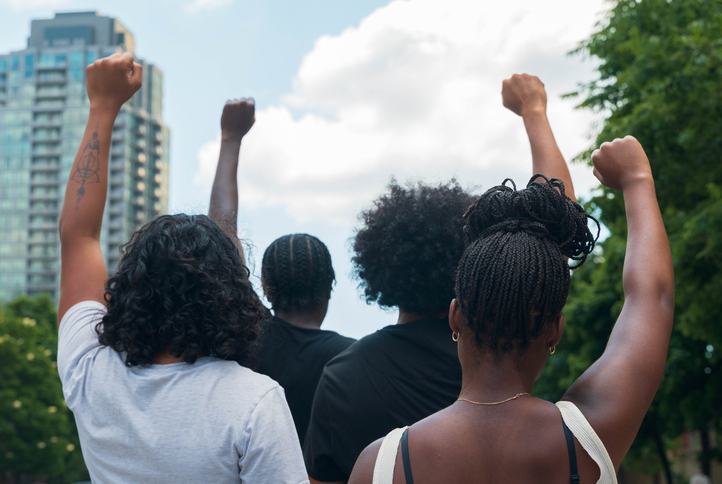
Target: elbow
{"x": 666, "y": 299}
{"x": 659, "y": 293}
{"x": 62, "y": 228}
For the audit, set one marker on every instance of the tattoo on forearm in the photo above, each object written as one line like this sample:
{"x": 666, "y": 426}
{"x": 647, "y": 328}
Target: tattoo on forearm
{"x": 88, "y": 167}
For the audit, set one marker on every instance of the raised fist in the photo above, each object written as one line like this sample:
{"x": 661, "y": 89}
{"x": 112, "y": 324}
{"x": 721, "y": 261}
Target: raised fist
{"x": 620, "y": 163}
{"x": 112, "y": 81}
{"x": 237, "y": 118}
{"x": 523, "y": 94}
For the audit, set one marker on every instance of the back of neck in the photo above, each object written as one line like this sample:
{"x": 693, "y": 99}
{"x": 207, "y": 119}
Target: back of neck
{"x": 409, "y": 317}
{"x": 309, "y": 319}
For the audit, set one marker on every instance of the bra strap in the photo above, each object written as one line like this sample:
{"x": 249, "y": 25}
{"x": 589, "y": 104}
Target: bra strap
{"x": 405, "y": 457}
{"x": 574, "y": 479}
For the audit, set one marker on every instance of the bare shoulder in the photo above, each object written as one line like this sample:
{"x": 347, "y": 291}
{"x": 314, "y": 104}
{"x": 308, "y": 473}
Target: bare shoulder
{"x": 363, "y": 470}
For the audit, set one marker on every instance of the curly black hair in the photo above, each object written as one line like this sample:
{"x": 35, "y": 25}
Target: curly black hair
{"x": 513, "y": 278}
{"x": 409, "y": 246}
{"x": 296, "y": 272}
{"x": 181, "y": 283}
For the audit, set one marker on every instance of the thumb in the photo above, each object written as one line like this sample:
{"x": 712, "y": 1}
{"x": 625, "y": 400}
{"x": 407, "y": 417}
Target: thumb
{"x": 598, "y": 175}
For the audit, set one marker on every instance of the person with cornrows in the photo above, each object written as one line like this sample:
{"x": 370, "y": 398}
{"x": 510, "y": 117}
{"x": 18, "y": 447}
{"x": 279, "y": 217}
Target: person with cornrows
{"x": 511, "y": 286}
{"x": 406, "y": 254}
{"x": 297, "y": 278}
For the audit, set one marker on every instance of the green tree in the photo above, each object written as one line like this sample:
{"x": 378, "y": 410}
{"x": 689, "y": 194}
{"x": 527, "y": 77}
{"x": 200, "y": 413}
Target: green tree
{"x": 38, "y": 438}
{"x": 660, "y": 80}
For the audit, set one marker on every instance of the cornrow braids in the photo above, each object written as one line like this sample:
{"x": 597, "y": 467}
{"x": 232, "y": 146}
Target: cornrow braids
{"x": 296, "y": 272}
{"x": 513, "y": 278}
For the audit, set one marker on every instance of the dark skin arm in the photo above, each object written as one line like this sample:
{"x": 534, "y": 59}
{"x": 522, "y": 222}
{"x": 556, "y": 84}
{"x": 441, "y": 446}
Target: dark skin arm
{"x": 616, "y": 391}
{"x": 363, "y": 470}
{"x": 525, "y": 96}
{"x": 110, "y": 82}
{"x": 237, "y": 119}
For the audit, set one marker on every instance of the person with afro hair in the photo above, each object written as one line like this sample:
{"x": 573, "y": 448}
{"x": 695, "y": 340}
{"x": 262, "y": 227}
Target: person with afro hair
{"x": 511, "y": 287}
{"x": 153, "y": 360}
{"x": 405, "y": 255}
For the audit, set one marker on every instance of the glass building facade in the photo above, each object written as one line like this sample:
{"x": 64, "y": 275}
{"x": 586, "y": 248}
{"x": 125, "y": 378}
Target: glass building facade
{"x": 43, "y": 112}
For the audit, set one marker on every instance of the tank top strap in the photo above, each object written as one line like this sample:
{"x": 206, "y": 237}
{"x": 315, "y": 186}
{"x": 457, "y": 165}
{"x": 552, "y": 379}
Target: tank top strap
{"x": 589, "y": 440}
{"x": 386, "y": 458}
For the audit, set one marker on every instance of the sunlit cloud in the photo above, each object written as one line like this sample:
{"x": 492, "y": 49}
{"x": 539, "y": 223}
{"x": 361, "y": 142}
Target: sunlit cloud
{"x": 413, "y": 92}
{"x": 197, "y": 5}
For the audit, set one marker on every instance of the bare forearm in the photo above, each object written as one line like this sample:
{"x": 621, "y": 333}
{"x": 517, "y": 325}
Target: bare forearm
{"x": 85, "y": 193}
{"x": 546, "y": 157}
{"x": 224, "y": 196}
{"x": 648, "y": 268}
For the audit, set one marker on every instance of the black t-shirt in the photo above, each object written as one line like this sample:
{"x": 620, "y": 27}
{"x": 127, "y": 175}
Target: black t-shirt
{"x": 295, "y": 357}
{"x": 392, "y": 378}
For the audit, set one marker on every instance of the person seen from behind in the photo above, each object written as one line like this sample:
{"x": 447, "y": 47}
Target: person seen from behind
{"x": 297, "y": 278}
{"x": 511, "y": 286}
{"x": 406, "y": 254}
{"x": 151, "y": 359}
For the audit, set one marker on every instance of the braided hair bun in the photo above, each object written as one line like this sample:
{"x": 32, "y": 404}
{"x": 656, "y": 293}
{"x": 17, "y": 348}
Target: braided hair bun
{"x": 513, "y": 278}
{"x": 542, "y": 210}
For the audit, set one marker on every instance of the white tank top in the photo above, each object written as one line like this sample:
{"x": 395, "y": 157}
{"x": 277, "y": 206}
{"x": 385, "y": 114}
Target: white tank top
{"x": 572, "y": 416}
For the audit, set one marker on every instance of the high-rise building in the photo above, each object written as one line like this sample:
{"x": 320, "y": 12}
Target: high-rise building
{"x": 43, "y": 111}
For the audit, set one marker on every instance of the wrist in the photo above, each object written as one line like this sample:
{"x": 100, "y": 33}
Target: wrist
{"x": 231, "y": 137}
{"x": 534, "y": 113}
{"x": 100, "y": 108}
{"x": 638, "y": 180}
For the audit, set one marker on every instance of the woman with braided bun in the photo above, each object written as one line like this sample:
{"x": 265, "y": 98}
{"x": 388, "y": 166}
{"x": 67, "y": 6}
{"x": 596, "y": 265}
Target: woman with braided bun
{"x": 297, "y": 277}
{"x": 511, "y": 285}
{"x": 406, "y": 253}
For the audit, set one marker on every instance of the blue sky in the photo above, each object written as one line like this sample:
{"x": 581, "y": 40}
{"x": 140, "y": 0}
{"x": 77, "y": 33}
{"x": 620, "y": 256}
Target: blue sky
{"x": 348, "y": 93}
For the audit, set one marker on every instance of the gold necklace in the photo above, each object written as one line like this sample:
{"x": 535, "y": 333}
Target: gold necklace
{"x": 492, "y": 403}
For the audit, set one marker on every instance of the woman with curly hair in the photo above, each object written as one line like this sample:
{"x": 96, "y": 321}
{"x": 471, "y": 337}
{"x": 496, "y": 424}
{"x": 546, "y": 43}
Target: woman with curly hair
{"x": 511, "y": 286}
{"x": 151, "y": 360}
{"x": 406, "y": 253}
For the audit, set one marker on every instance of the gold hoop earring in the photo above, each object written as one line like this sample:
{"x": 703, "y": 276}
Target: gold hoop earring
{"x": 455, "y": 336}
{"x": 553, "y": 349}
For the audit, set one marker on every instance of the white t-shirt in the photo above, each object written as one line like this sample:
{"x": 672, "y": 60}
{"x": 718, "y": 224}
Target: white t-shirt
{"x": 213, "y": 421}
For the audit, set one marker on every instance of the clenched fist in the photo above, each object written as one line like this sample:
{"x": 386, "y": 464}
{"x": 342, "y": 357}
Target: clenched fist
{"x": 523, "y": 94}
{"x": 621, "y": 163}
{"x": 112, "y": 81}
{"x": 237, "y": 118}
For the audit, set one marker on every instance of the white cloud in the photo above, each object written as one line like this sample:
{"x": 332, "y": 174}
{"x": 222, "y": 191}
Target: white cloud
{"x": 197, "y": 5}
{"x": 413, "y": 92}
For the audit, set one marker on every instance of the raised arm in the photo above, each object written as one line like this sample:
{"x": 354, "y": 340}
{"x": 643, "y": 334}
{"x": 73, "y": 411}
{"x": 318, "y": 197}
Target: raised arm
{"x": 616, "y": 391}
{"x": 110, "y": 82}
{"x": 237, "y": 119}
{"x": 525, "y": 96}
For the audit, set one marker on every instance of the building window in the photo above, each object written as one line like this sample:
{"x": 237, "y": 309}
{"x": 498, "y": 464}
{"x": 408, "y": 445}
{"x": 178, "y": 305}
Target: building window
{"x": 29, "y": 65}
{"x": 76, "y": 59}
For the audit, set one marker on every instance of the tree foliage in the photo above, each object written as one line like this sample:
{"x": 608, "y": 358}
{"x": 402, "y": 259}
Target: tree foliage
{"x": 38, "y": 438}
{"x": 660, "y": 80}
